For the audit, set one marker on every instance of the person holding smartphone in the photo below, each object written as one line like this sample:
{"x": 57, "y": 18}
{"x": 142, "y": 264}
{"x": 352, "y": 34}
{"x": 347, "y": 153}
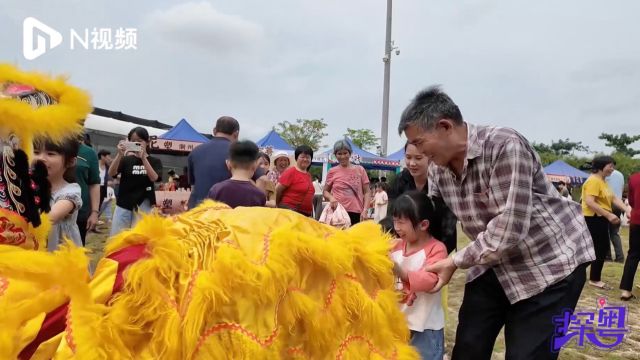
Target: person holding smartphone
{"x": 138, "y": 172}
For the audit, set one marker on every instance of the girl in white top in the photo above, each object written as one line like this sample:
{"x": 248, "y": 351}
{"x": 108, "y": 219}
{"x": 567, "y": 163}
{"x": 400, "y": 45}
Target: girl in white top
{"x": 380, "y": 201}
{"x": 60, "y": 160}
{"x": 416, "y": 248}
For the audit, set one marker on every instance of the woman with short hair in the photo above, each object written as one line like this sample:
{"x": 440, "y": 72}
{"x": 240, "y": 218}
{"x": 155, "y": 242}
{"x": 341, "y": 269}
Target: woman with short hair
{"x": 295, "y": 189}
{"x": 348, "y": 184}
{"x": 597, "y": 207}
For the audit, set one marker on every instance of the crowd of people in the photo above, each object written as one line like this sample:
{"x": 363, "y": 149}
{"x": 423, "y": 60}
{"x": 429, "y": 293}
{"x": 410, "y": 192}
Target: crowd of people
{"x": 487, "y": 178}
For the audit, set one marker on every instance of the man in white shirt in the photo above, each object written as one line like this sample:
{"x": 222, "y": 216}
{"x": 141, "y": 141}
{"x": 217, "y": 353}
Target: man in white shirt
{"x": 616, "y": 183}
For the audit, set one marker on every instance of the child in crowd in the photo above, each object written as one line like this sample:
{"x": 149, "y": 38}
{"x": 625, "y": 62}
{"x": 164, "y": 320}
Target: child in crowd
{"x": 380, "y": 201}
{"x": 60, "y": 160}
{"x": 240, "y": 190}
{"x": 412, "y": 214}
{"x": 107, "y": 204}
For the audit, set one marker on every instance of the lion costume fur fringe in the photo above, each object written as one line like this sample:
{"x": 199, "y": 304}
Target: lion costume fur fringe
{"x": 212, "y": 283}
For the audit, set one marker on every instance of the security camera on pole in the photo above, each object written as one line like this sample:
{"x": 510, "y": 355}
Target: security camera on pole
{"x": 388, "y": 48}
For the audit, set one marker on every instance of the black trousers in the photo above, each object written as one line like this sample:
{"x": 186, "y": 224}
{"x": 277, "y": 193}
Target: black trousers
{"x": 103, "y": 194}
{"x": 355, "y": 217}
{"x": 528, "y": 323}
{"x": 599, "y": 230}
{"x": 633, "y": 257}
{"x": 82, "y": 226}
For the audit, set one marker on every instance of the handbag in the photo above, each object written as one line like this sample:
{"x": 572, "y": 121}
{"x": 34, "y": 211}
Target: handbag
{"x": 338, "y": 218}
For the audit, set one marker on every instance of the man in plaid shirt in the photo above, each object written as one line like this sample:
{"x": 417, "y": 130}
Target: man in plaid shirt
{"x": 531, "y": 246}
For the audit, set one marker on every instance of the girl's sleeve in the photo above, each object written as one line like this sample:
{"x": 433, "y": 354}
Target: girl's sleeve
{"x": 71, "y": 193}
{"x": 421, "y": 281}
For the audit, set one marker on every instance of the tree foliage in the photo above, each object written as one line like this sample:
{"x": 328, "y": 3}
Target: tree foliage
{"x": 621, "y": 143}
{"x": 563, "y": 150}
{"x": 308, "y": 132}
{"x": 364, "y": 138}
{"x": 561, "y": 147}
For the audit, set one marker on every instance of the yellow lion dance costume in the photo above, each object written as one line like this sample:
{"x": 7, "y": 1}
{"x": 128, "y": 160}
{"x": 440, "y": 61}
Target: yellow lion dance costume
{"x": 212, "y": 283}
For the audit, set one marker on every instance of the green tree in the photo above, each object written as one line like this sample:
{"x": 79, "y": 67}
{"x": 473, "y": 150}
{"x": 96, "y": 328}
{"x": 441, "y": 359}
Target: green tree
{"x": 560, "y": 149}
{"x": 567, "y": 147}
{"x": 626, "y": 164}
{"x": 363, "y": 138}
{"x": 308, "y": 132}
{"x": 621, "y": 143}
{"x": 541, "y": 148}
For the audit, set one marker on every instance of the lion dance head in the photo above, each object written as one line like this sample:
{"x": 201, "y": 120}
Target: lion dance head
{"x": 32, "y": 105}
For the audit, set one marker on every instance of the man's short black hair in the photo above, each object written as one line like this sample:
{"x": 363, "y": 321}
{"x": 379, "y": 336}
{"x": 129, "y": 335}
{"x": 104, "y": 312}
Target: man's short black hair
{"x": 243, "y": 153}
{"x": 427, "y": 108}
{"x": 103, "y": 152}
{"x": 226, "y": 125}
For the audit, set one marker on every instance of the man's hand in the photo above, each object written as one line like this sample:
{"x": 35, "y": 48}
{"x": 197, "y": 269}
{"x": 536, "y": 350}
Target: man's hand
{"x": 444, "y": 269}
{"x": 397, "y": 270}
{"x": 92, "y": 220}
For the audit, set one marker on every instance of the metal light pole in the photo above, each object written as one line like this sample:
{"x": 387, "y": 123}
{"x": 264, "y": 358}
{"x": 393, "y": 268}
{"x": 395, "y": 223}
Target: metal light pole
{"x": 388, "y": 48}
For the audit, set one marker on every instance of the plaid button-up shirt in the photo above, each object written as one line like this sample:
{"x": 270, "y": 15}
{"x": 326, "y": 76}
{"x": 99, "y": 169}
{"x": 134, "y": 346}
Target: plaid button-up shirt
{"x": 522, "y": 228}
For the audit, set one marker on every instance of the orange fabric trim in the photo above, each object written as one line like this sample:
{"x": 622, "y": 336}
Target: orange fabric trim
{"x": 345, "y": 344}
{"x": 297, "y": 351}
{"x": 265, "y": 248}
{"x": 235, "y": 327}
{"x": 4, "y": 285}
{"x": 189, "y": 294}
{"x": 329, "y": 298}
{"x": 69, "y": 331}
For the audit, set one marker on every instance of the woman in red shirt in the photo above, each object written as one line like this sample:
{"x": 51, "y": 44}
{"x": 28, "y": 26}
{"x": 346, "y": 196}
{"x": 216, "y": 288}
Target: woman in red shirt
{"x": 295, "y": 189}
{"x": 633, "y": 257}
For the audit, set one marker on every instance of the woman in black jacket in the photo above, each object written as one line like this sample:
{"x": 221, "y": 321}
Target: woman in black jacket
{"x": 414, "y": 177}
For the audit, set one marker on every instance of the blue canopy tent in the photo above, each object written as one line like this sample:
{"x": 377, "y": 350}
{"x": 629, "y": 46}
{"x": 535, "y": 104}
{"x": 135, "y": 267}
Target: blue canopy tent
{"x": 561, "y": 171}
{"x": 397, "y": 156}
{"x": 274, "y": 142}
{"x": 181, "y": 138}
{"x": 183, "y": 131}
{"x": 359, "y": 156}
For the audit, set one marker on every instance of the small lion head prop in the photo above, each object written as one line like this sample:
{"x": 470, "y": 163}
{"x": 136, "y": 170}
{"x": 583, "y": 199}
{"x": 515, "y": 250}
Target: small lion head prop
{"x": 32, "y": 106}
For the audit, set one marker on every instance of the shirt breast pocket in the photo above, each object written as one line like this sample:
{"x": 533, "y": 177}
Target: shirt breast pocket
{"x": 485, "y": 205}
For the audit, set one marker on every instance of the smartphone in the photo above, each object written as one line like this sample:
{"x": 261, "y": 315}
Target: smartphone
{"x": 133, "y": 146}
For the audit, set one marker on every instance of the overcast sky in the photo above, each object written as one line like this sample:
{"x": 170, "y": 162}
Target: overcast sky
{"x": 549, "y": 69}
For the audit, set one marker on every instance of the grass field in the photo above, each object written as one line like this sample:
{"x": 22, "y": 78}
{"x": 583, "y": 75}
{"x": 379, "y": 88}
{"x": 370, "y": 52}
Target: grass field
{"x": 630, "y": 349}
